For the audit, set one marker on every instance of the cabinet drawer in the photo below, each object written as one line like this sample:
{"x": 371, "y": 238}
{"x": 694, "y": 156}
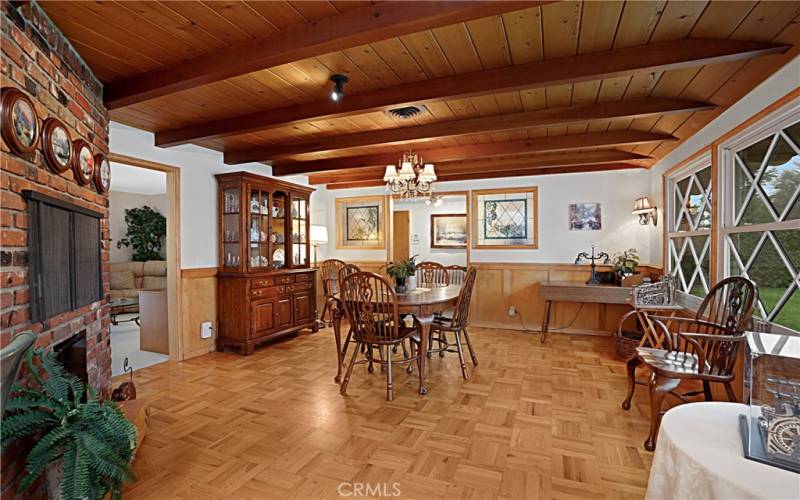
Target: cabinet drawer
{"x": 262, "y": 282}
{"x": 304, "y": 277}
{"x": 303, "y": 286}
{"x": 258, "y": 293}
{"x": 285, "y": 279}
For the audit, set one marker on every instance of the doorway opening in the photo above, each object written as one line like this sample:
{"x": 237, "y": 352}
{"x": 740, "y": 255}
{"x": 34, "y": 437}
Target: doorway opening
{"x": 437, "y": 231}
{"x": 144, "y": 263}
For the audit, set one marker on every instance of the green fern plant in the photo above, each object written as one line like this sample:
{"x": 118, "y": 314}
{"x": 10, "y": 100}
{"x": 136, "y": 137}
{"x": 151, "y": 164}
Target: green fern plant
{"x": 93, "y": 437}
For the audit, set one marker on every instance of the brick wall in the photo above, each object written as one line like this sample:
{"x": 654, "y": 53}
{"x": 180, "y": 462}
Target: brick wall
{"x": 37, "y": 59}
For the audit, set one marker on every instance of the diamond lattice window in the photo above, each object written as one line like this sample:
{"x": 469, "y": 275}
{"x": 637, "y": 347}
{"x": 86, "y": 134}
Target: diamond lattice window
{"x": 690, "y": 231}
{"x": 762, "y": 233}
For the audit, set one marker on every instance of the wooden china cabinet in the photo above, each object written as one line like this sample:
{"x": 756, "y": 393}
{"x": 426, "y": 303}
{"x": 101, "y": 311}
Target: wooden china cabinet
{"x": 266, "y": 287}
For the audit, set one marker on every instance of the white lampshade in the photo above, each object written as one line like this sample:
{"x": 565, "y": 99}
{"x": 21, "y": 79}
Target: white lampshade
{"x": 391, "y": 173}
{"x": 407, "y": 170}
{"x": 319, "y": 234}
{"x": 428, "y": 173}
{"x": 642, "y": 205}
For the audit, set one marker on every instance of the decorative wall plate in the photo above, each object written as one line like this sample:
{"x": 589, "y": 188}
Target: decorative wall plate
{"x": 82, "y": 162}
{"x": 57, "y": 145}
{"x": 102, "y": 174}
{"x": 20, "y": 124}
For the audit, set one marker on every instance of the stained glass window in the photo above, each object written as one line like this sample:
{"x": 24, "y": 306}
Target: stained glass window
{"x": 506, "y": 218}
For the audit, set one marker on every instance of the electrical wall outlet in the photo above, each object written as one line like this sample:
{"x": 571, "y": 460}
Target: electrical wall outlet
{"x": 512, "y": 311}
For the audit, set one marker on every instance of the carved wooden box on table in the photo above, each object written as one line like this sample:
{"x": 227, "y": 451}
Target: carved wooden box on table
{"x": 266, "y": 286}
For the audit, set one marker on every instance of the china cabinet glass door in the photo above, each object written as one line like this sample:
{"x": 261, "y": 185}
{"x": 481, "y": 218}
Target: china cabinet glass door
{"x": 299, "y": 232}
{"x": 258, "y": 241}
{"x": 231, "y": 226}
{"x": 278, "y": 234}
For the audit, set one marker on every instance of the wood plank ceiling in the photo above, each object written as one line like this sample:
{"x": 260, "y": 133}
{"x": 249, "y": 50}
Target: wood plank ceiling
{"x": 509, "y": 88}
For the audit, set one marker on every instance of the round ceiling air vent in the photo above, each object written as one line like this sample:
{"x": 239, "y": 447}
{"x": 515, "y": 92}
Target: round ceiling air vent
{"x": 407, "y": 112}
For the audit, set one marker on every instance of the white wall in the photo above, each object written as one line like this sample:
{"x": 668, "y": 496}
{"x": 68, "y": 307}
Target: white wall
{"x": 420, "y": 225}
{"x": 615, "y": 190}
{"x": 781, "y": 83}
{"x": 198, "y": 187}
{"x": 118, "y": 201}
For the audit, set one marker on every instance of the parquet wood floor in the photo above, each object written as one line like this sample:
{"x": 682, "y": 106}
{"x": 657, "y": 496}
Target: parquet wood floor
{"x": 533, "y": 422}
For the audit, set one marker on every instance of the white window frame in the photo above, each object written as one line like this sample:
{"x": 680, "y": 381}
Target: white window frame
{"x": 779, "y": 119}
{"x": 701, "y": 162}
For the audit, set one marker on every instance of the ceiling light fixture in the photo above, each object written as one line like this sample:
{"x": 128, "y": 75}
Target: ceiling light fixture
{"x": 414, "y": 180}
{"x": 338, "y": 87}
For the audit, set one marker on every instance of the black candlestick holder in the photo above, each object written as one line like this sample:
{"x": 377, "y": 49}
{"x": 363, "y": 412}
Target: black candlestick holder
{"x": 583, "y": 256}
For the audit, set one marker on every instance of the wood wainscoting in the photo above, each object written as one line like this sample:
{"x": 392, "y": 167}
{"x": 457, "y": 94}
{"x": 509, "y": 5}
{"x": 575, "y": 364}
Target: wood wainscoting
{"x": 502, "y": 284}
{"x": 199, "y": 301}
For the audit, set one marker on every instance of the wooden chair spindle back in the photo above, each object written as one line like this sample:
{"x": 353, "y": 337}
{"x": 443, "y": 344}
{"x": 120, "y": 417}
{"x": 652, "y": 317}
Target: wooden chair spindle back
{"x": 370, "y": 305}
{"x": 329, "y": 273}
{"x": 456, "y": 274}
{"x": 461, "y": 312}
{"x": 729, "y": 303}
{"x": 432, "y": 274}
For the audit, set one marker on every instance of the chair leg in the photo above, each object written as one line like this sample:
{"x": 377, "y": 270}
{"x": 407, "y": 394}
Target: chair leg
{"x": 389, "y": 385}
{"x": 442, "y": 342}
{"x": 659, "y": 387}
{"x": 631, "y": 365}
{"x": 731, "y": 393}
{"x": 380, "y": 355}
{"x": 410, "y": 367}
{"x": 343, "y": 388}
{"x": 461, "y": 356}
{"x": 707, "y": 391}
{"x": 347, "y": 342}
{"x": 370, "y": 369}
{"x": 324, "y": 310}
{"x": 469, "y": 346}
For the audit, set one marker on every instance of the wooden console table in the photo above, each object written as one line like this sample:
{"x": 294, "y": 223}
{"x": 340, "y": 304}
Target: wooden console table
{"x": 571, "y": 291}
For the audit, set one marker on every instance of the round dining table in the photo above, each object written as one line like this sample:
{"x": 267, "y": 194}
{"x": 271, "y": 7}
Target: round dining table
{"x": 699, "y": 455}
{"x": 421, "y": 303}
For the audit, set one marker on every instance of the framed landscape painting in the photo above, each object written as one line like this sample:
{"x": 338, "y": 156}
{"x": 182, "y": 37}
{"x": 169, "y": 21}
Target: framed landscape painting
{"x": 505, "y": 218}
{"x": 585, "y": 217}
{"x": 448, "y": 230}
{"x": 361, "y": 222}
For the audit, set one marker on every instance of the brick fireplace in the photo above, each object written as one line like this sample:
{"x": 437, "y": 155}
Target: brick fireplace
{"x": 38, "y": 59}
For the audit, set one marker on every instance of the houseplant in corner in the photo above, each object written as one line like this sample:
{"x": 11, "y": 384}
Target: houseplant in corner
{"x": 400, "y": 271}
{"x": 146, "y": 229}
{"x": 84, "y": 448}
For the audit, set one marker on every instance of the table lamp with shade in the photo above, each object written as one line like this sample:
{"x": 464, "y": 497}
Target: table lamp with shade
{"x": 319, "y": 234}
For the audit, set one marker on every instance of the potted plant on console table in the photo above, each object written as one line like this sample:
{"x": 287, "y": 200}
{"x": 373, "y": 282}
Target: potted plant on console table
{"x": 83, "y": 446}
{"x": 625, "y": 264}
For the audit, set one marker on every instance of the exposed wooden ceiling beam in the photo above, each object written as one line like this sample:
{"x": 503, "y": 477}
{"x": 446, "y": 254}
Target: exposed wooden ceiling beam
{"x": 360, "y": 26}
{"x": 496, "y": 174}
{"x": 472, "y": 151}
{"x": 653, "y": 57}
{"x": 507, "y": 165}
{"x": 528, "y": 119}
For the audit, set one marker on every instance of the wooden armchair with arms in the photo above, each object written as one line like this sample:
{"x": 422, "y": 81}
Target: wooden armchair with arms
{"x": 704, "y": 348}
{"x": 431, "y": 274}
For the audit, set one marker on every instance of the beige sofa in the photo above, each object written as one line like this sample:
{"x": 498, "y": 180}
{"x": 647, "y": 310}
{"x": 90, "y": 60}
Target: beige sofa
{"x": 127, "y": 278}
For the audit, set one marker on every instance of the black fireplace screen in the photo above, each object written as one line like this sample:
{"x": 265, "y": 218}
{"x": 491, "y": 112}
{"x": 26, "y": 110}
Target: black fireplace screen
{"x": 64, "y": 244}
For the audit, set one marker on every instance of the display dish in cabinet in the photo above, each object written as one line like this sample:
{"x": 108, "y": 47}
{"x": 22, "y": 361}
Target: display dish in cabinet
{"x": 771, "y": 428}
{"x": 266, "y": 287}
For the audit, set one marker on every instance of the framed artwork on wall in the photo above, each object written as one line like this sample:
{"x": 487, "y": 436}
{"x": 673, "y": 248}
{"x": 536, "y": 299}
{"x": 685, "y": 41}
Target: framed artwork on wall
{"x": 506, "y": 218}
{"x": 57, "y": 145}
{"x": 361, "y": 222}
{"x": 83, "y": 162}
{"x": 448, "y": 230}
{"x": 102, "y": 174}
{"x": 20, "y": 124}
{"x": 585, "y": 217}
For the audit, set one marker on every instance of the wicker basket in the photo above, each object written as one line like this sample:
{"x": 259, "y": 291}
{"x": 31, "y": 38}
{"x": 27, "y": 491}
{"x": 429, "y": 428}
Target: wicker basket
{"x": 626, "y": 343}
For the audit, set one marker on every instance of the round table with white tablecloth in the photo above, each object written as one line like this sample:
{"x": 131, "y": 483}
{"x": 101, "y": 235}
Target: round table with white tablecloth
{"x": 699, "y": 455}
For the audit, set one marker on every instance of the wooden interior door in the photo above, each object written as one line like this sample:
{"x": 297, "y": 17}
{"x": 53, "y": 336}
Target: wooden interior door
{"x": 400, "y": 235}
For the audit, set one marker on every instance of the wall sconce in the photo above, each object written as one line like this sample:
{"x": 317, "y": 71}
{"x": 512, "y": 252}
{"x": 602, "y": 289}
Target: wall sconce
{"x": 645, "y": 211}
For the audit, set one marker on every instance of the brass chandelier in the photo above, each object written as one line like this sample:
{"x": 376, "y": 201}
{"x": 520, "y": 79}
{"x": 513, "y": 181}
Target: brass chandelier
{"x": 414, "y": 180}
